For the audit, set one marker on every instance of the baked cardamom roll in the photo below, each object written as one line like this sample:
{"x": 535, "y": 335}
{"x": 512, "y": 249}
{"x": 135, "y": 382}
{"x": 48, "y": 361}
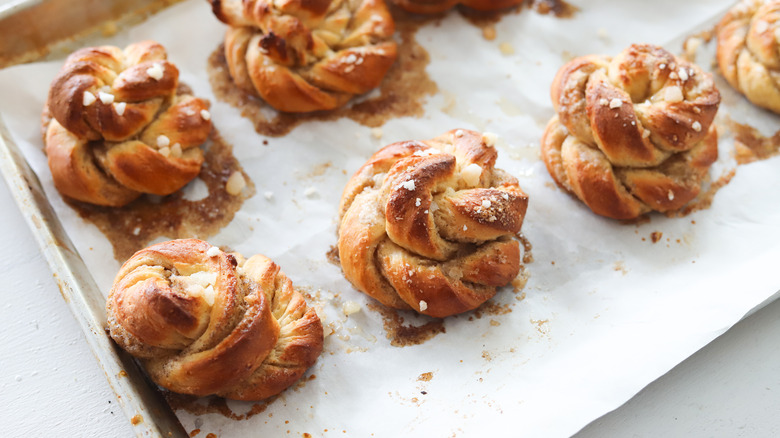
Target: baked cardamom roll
{"x": 432, "y": 225}
{"x": 632, "y": 133}
{"x": 307, "y": 56}
{"x": 205, "y": 322}
{"x": 118, "y": 125}
{"x": 749, "y": 51}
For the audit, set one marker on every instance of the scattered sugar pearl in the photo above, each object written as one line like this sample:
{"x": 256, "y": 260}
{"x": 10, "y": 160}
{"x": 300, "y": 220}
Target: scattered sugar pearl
{"x": 471, "y": 174}
{"x": 163, "y": 141}
{"x": 673, "y": 75}
{"x": 489, "y": 139}
{"x": 673, "y": 94}
{"x": 408, "y": 185}
{"x": 88, "y": 98}
{"x": 106, "y": 98}
{"x": 683, "y": 74}
{"x": 350, "y": 307}
{"x": 423, "y": 306}
{"x": 176, "y": 151}
{"x": 120, "y": 108}
{"x": 459, "y": 133}
{"x": 155, "y": 71}
{"x": 662, "y": 66}
{"x": 425, "y": 152}
{"x": 615, "y": 103}
{"x": 136, "y": 231}
{"x": 213, "y": 251}
{"x": 465, "y": 228}
{"x": 417, "y": 202}
{"x": 603, "y": 102}
{"x": 268, "y": 196}
{"x": 670, "y": 195}
{"x": 165, "y": 151}
{"x": 696, "y": 126}
{"x": 486, "y": 203}
{"x": 235, "y": 183}
{"x": 310, "y": 191}
{"x": 205, "y": 115}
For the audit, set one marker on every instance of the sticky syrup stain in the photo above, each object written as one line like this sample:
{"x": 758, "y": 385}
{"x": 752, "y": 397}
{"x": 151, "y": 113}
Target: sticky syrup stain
{"x": 213, "y": 405}
{"x": 132, "y": 227}
{"x": 750, "y": 145}
{"x": 486, "y": 20}
{"x": 401, "y": 335}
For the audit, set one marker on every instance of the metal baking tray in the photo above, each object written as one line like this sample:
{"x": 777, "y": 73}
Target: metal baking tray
{"x": 30, "y": 30}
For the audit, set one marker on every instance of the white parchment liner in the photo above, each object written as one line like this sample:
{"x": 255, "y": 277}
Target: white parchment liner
{"x": 605, "y": 311}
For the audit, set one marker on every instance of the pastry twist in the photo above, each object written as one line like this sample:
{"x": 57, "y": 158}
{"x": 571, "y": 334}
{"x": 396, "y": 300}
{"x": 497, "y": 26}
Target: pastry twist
{"x": 118, "y": 127}
{"x": 430, "y": 225}
{"x": 307, "y": 56}
{"x": 633, "y": 133}
{"x": 749, "y": 51}
{"x": 438, "y": 6}
{"x": 206, "y": 322}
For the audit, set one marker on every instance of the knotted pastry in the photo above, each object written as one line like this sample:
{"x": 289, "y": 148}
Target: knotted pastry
{"x": 307, "y": 56}
{"x": 431, "y": 225}
{"x": 118, "y": 127}
{"x": 206, "y": 322}
{"x": 749, "y": 51}
{"x": 438, "y": 6}
{"x": 633, "y": 133}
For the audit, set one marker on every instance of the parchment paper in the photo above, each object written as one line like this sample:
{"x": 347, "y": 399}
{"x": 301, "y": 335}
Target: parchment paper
{"x": 605, "y": 311}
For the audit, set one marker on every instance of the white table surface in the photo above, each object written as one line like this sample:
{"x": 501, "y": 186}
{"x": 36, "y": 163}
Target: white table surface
{"x": 50, "y": 384}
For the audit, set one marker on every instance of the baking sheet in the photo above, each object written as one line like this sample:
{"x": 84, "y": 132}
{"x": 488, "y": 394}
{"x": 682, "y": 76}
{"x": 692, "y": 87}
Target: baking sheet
{"x": 605, "y": 310}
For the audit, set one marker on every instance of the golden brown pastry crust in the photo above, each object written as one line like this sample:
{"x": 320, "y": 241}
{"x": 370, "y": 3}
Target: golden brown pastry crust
{"x": 307, "y": 56}
{"x": 249, "y": 339}
{"x": 431, "y": 225}
{"x": 108, "y": 109}
{"x": 438, "y": 6}
{"x": 633, "y": 133}
{"x": 749, "y": 51}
